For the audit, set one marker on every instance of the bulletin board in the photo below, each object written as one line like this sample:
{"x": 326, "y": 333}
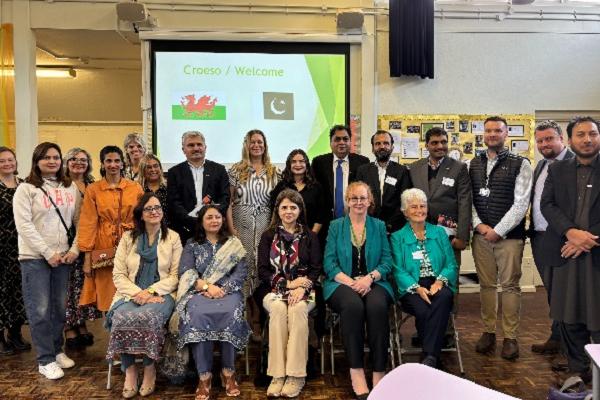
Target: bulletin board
{"x": 465, "y": 134}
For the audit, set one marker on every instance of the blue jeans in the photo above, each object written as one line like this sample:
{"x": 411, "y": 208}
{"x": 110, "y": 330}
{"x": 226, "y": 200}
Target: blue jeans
{"x": 45, "y": 298}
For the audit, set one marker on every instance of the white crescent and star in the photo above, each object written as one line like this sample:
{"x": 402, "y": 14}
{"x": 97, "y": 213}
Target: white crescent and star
{"x": 275, "y": 110}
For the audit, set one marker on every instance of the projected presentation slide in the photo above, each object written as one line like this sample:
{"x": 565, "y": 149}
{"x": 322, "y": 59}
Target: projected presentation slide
{"x": 293, "y": 98}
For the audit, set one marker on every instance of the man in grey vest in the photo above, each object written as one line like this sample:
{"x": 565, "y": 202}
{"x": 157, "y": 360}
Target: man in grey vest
{"x": 501, "y": 183}
{"x": 549, "y": 142}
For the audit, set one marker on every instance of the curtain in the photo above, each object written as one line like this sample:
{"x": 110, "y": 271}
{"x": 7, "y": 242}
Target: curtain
{"x": 7, "y": 102}
{"x": 411, "y": 38}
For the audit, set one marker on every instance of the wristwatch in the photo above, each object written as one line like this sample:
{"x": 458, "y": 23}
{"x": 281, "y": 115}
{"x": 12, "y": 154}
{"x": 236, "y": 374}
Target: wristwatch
{"x": 372, "y": 276}
{"x": 152, "y": 291}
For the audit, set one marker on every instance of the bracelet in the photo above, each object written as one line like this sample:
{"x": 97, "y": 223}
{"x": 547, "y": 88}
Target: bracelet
{"x": 372, "y": 276}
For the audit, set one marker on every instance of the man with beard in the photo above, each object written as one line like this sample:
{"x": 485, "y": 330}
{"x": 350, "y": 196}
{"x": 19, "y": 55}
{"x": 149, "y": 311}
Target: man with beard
{"x": 549, "y": 142}
{"x": 334, "y": 171}
{"x": 501, "y": 183}
{"x": 447, "y": 185}
{"x": 571, "y": 205}
{"x": 387, "y": 180}
{"x": 194, "y": 183}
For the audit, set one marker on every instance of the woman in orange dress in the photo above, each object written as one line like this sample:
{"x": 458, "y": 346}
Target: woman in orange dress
{"x": 99, "y": 226}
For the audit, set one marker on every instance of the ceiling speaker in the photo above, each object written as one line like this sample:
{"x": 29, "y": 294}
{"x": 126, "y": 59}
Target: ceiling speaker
{"x": 349, "y": 20}
{"x": 132, "y": 12}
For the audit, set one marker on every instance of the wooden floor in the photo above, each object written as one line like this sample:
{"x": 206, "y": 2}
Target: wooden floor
{"x": 527, "y": 378}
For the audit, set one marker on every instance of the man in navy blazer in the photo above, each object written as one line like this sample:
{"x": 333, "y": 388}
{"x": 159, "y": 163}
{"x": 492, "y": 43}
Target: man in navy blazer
{"x": 194, "y": 183}
{"x": 387, "y": 180}
{"x": 325, "y": 165}
{"x": 549, "y": 142}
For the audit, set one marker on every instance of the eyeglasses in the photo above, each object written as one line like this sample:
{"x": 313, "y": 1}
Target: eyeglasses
{"x": 341, "y": 139}
{"x": 151, "y": 209}
{"x": 358, "y": 199}
{"x": 79, "y": 160}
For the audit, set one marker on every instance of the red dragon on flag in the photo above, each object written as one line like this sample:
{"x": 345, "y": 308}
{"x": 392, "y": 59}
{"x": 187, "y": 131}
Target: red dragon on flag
{"x": 204, "y": 106}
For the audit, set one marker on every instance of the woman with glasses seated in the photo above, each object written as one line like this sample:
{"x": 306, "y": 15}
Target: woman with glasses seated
{"x": 145, "y": 275}
{"x": 425, "y": 271}
{"x": 356, "y": 264}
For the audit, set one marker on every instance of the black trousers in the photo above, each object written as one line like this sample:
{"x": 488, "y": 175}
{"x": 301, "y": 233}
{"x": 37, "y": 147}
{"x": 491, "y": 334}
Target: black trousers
{"x": 431, "y": 319}
{"x": 354, "y": 310}
{"x": 546, "y": 275}
{"x": 574, "y": 338}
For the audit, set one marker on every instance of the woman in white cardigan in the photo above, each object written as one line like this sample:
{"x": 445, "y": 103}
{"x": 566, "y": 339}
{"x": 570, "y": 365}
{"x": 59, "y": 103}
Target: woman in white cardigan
{"x": 145, "y": 276}
{"x": 45, "y": 208}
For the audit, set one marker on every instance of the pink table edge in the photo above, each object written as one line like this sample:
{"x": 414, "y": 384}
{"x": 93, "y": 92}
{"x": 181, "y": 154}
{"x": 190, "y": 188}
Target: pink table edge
{"x": 416, "y": 381}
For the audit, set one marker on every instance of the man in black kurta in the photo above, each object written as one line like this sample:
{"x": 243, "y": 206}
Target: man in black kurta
{"x": 571, "y": 205}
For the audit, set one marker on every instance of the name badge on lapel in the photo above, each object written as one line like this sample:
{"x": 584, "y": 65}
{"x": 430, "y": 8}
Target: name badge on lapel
{"x": 485, "y": 192}
{"x": 391, "y": 180}
{"x": 448, "y": 181}
{"x": 417, "y": 255}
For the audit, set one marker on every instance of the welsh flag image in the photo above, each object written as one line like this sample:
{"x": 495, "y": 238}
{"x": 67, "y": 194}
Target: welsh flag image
{"x": 198, "y": 106}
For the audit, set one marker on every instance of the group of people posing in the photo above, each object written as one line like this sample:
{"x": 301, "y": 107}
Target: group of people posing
{"x": 180, "y": 265}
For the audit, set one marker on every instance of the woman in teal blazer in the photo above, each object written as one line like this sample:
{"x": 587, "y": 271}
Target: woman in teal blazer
{"x": 357, "y": 262}
{"x": 425, "y": 271}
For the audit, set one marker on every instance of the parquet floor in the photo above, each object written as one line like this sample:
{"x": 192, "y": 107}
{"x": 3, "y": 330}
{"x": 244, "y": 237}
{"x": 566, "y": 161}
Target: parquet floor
{"x": 528, "y": 378}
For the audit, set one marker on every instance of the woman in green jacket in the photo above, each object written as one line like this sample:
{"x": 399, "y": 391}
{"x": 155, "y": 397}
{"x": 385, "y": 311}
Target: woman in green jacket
{"x": 357, "y": 262}
{"x": 425, "y": 271}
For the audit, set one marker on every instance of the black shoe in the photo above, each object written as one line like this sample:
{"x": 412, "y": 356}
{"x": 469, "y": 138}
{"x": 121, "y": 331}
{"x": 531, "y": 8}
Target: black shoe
{"x": 486, "y": 343}
{"x": 6, "y": 349}
{"x": 550, "y": 346}
{"x": 510, "y": 349}
{"x": 430, "y": 361}
{"x": 15, "y": 339}
{"x": 86, "y": 339}
{"x": 75, "y": 343}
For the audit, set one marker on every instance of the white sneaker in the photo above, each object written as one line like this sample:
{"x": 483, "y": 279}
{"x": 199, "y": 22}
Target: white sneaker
{"x": 51, "y": 371}
{"x": 63, "y": 361}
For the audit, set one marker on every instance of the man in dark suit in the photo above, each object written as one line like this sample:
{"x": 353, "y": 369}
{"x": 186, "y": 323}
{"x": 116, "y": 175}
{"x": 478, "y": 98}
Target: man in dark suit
{"x": 447, "y": 185}
{"x": 549, "y": 142}
{"x": 193, "y": 184}
{"x": 387, "y": 180}
{"x": 571, "y": 205}
{"x": 334, "y": 171}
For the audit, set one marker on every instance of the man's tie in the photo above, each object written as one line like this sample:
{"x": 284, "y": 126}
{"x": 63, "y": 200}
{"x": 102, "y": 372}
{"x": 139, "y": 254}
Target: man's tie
{"x": 339, "y": 190}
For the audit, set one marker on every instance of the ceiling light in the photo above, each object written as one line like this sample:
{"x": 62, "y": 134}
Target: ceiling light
{"x": 47, "y": 72}
{"x": 55, "y": 73}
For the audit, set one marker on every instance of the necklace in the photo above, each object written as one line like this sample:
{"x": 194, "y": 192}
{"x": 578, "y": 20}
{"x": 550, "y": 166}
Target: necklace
{"x": 358, "y": 242}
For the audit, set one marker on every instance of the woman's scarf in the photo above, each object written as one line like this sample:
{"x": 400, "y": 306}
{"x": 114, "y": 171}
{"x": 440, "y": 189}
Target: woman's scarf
{"x": 148, "y": 271}
{"x": 284, "y": 255}
{"x": 224, "y": 260}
